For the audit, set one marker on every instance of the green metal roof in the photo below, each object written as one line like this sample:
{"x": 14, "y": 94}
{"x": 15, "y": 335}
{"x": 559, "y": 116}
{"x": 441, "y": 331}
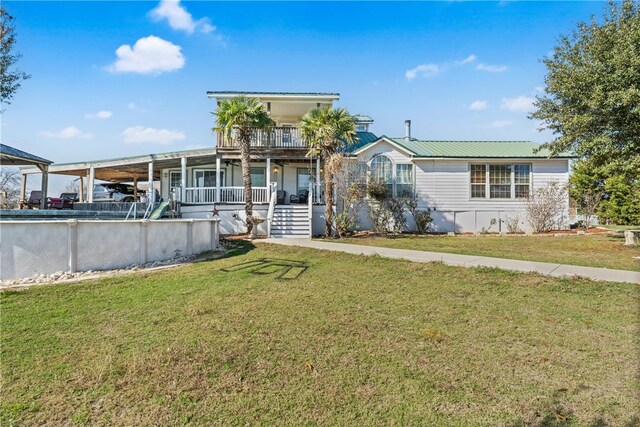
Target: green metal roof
{"x": 472, "y": 149}
{"x": 362, "y": 139}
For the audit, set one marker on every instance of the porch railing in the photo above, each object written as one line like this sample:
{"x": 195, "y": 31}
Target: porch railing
{"x": 282, "y": 137}
{"x": 230, "y": 195}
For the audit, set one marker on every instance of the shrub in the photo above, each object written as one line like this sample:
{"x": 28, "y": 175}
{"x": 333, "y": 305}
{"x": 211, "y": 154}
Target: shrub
{"x": 421, "y": 217}
{"x": 544, "y": 207}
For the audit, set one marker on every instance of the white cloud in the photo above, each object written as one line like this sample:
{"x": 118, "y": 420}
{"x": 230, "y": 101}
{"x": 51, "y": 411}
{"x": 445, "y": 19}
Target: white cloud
{"x": 70, "y": 132}
{"x": 149, "y": 55}
{"x": 468, "y": 59}
{"x": 498, "y": 124}
{"x": 538, "y": 89}
{"x": 492, "y": 68}
{"x": 478, "y": 105}
{"x": 178, "y": 17}
{"x": 424, "y": 70}
{"x": 521, "y": 103}
{"x": 143, "y": 135}
{"x": 102, "y": 115}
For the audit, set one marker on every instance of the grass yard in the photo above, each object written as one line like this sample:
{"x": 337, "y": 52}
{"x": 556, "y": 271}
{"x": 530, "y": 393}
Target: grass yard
{"x": 598, "y": 250}
{"x": 620, "y": 227}
{"x": 322, "y": 338}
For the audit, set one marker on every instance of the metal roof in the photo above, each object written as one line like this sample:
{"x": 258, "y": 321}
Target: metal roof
{"x": 363, "y": 138}
{"x": 363, "y": 118}
{"x": 229, "y": 93}
{"x": 470, "y": 149}
{"x": 125, "y": 168}
{"x": 10, "y": 156}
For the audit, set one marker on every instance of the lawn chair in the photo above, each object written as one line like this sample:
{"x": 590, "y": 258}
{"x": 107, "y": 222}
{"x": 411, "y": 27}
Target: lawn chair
{"x": 34, "y": 199}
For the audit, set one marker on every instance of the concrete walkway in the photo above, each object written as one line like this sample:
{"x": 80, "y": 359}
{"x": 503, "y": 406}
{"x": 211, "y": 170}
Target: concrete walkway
{"x": 548, "y": 269}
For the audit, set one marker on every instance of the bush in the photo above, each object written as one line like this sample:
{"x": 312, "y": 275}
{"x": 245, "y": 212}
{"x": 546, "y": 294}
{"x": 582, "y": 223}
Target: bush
{"x": 544, "y": 207}
{"x": 421, "y": 217}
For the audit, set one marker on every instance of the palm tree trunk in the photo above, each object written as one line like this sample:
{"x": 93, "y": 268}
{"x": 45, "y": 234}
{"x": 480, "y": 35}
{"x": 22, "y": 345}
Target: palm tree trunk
{"x": 245, "y": 153}
{"x": 328, "y": 198}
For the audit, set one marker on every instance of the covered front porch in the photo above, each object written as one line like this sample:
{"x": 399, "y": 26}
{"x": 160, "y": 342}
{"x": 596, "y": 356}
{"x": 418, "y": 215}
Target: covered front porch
{"x": 291, "y": 181}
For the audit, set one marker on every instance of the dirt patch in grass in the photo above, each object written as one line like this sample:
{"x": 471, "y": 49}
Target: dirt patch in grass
{"x": 353, "y": 341}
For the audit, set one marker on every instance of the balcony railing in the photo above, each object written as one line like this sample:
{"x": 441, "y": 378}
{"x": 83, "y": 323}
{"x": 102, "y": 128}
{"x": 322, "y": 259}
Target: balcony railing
{"x": 283, "y": 137}
{"x": 207, "y": 195}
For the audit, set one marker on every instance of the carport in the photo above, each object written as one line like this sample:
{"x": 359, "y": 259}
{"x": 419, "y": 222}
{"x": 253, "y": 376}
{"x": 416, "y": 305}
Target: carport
{"x": 10, "y": 156}
{"x": 133, "y": 169}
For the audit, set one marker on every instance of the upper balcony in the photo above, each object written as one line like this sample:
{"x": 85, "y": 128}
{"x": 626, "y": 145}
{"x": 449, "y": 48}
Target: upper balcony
{"x": 278, "y": 138}
{"x": 286, "y": 109}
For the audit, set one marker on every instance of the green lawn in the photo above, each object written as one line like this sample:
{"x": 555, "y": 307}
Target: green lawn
{"x": 620, "y": 227}
{"x": 351, "y": 340}
{"x": 605, "y": 251}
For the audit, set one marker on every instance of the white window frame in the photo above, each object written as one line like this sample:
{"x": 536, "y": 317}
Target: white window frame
{"x": 223, "y": 173}
{"x": 487, "y": 190}
{"x": 394, "y": 173}
{"x": 171, "y": 172}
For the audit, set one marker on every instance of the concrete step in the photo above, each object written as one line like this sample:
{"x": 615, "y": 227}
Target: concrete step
{"x": 289, "y": 235}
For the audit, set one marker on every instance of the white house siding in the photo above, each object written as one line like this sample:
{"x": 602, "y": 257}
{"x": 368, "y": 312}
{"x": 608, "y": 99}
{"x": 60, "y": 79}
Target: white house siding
{"x": 443, "y": 186}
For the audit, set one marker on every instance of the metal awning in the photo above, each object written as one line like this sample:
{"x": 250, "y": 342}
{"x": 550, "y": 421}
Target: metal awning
{"x": 125, "y": 169}
{"x": 10, "y": 156}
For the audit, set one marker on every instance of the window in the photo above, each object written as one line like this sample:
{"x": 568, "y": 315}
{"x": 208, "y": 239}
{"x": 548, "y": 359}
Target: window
{"x": 522, "y": 175}
{"x": 478, "y": 181}
{"x": 207, "y": 178}
{"x": 361, "y": 128}
{"x": 304, "y": 178}
{"x": 500, "y": 181}
{"x": 404, "y": 180}
{"x": 258, "y": 177}
{"x": 175, "y": 180}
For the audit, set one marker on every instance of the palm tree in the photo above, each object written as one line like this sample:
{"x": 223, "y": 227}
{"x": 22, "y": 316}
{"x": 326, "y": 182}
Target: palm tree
{"x": 237, "y": 118}
{"x": 327, "y": 132}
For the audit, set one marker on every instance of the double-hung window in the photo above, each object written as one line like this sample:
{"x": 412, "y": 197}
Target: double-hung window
{"x": 478, "y": 181}
{"x": 404, "y": 180}
{"x": 500, "y": 181}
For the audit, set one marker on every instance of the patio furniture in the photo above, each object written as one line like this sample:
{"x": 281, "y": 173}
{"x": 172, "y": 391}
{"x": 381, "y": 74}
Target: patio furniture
{"x": 34, "y": 199}
{"x": 302, "y": 197}
{"x": 281, "y": 196}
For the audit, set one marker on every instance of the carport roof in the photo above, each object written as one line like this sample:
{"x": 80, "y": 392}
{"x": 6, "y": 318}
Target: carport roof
{"x": 11, "y": 156}
{"x": 126, "y": 168}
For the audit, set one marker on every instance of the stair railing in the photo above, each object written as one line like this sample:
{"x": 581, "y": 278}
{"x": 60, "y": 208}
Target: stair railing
{"x": 310, "y": 206}
{"x": 272, "y": 206}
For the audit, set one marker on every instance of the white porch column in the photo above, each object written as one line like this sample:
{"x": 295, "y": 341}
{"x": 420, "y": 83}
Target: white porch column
{"x": 92, "y": 175}
{"x": 183, "y": 179}
{"x": 318, "y": 182}
{"x": 23, "y": 190}
{"x": 268, "y": 177}
{"x": 150, "y": 193}
{"x": 217, "y": 179}
{"x": 81, "y": 189}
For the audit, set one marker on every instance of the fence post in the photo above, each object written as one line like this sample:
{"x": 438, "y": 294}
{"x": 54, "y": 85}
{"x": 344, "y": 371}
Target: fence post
{"x": 72, "y": 244}
{"x": 190, "y": 237}
{"x": 215, "y": 233}
{"x": 144, "y": 226}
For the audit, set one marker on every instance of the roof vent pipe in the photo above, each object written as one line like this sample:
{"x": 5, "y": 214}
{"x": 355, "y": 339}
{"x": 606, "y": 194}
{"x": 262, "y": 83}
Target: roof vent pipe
{"x": 407, "y": 127}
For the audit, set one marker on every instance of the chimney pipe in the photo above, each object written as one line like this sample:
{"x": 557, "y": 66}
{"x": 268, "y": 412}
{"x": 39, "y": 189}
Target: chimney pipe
{"x": 407, "y": 127}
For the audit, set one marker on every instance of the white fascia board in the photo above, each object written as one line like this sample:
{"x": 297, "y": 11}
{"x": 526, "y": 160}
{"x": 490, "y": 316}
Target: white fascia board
{"x": 388, "y": 141}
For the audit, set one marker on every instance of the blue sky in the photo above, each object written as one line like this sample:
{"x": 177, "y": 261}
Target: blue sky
{"x": 112, "y": 79}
